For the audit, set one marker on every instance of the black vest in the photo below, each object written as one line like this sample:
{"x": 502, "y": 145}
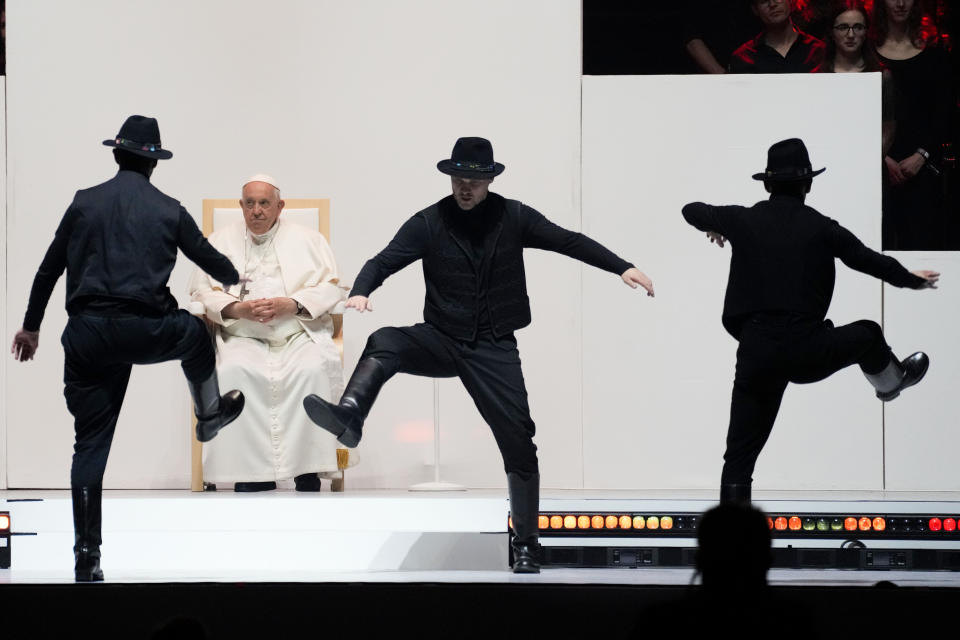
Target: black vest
{"x": 454, "y": 285}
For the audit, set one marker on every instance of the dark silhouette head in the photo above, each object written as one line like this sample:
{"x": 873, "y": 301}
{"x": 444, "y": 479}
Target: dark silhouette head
{"x": 734, "y": 548}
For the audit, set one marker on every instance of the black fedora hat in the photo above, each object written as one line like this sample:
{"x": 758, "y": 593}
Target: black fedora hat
{"x": 140, "y": 135}
{"x": 787, "y": 161}
{"x": 471, "y": 158}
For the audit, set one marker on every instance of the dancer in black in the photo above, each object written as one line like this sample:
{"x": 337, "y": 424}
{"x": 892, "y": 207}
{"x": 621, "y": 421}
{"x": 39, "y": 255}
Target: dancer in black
{"x": 471, "y": 245}
{"x": 118, "y": 242}
{"x": 780, "y": 285}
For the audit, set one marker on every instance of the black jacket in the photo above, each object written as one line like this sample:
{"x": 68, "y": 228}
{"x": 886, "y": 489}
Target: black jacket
{"x": 455, "y": 288}
{"x": 783, "y": 258}
{"x": 118, "y": 241}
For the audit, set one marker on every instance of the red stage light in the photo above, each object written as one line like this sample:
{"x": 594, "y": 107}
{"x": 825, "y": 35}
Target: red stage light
{"x": 795, "y": 523}
{"x": 780, "y": 523}
{"x": 879, "y": 524}
{"x": 934, "y": 524}
{"x": 850, "y": 524}
{"x": 865, "y": 524}
{"x": 949, "y": 524}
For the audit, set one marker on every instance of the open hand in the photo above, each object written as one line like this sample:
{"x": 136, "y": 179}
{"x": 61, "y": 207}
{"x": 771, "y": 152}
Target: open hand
{"x": 634, "y": 277}
{"x": 931, "y": 277}
{"x": 716, "y": 237}
{"x": 25, "y": 345}
{"x": 360, "y": 303}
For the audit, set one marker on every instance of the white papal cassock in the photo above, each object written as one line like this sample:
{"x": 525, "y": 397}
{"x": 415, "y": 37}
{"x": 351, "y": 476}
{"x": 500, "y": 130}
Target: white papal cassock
{"x": 275, "y": 364}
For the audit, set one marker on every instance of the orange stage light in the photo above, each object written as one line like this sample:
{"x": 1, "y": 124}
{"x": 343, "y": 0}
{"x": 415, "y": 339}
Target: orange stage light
{"x": 865, "y": 524}
{"x": 583, "y": 522}
{"x": 639, "y": 522}
{"x": 543, "y": 522}
{"x": 666, "y": 522}
{"x": 596, "y": 522}
{"x": 611, "y": 522}
{"x": 795, "y": 523}
{"x": 556, "y": 522}
{"x": 850, "y": 524}
{"x": 653, "y": 522}
{"x": 569, "y": 522}
{"x": 780, "y": 523}
{"x": 879, "y": 524}
{"x": 4, "y": 522}
{"x": 626, "y": 522}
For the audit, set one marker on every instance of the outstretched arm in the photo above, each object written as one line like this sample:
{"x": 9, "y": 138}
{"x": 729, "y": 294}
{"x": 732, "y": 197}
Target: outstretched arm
{"x": 407, "y": 246}
{"x": 540, "y": 233}
{"x": 199, "y": 251}
{"x": 855, "y": 255}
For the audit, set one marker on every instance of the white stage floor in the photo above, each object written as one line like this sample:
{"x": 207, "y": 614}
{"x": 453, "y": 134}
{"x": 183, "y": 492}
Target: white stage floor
{"x": 389, "y": 536}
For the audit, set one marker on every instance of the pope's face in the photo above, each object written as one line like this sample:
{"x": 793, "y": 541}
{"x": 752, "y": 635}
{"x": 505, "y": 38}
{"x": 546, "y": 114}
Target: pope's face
{"x": 261, "y": 206}
{"x": 469, "y": 192}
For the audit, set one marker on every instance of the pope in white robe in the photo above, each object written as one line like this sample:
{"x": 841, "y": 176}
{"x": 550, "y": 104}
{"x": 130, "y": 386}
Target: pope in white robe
{"x": 274, "y": 342}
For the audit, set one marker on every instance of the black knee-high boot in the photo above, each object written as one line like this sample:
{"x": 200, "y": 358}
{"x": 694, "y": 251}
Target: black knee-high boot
{"x": 735, "y": 493}
{"x": 524, "y": 492}
{"x": 213, "y": 411}
{"x": 897, "y": 375}
{"x": 86, "y": 533}
{"x": 345, "y": 419}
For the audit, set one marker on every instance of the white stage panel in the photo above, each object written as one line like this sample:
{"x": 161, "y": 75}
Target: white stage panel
{"x": 352, "y": 101}
{"x": 922, "y": 426}
{"x": 657, "y": 373}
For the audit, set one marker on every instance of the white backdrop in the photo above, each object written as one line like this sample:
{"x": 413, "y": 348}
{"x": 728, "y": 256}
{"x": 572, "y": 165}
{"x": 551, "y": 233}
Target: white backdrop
{"x": 658, "y": 373}
{"x": 356, "y": 102}
{"x": 352, "y": 101}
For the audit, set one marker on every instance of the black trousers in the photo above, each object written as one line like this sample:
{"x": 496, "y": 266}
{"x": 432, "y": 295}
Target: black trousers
{"x": 774, "y": 351}
{"x": 489, "y": 369}
{"x": 99, "y": 353}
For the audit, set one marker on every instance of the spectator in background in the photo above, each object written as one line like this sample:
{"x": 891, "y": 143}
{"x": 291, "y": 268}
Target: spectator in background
{"x": 913, "y": 217}
{"x": 813, "y": 17}
{"x": 780, "y": 47}
{"x": 713, "y": 29}
{"x": 849, "y": 51}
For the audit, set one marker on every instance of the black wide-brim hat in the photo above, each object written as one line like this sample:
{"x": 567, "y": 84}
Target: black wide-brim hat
{"x": 788, "y": 161}
{"x": 140, "y": 135}
{"x": 471, "y": 158}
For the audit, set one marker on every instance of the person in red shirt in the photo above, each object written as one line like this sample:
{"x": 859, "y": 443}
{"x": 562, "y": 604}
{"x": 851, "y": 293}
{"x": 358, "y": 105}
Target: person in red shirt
{"x": 780, "y": 47}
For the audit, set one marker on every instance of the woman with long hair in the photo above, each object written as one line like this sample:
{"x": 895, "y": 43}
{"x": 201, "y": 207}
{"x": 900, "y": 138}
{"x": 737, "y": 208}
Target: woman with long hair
{"x": 913, "y": 213}
{"x": 849, "y": 51}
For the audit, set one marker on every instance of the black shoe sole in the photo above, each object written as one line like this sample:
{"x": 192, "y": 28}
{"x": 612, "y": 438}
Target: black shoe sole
{"x": 88, "y": 576}
{"x": 318, "y": 410}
